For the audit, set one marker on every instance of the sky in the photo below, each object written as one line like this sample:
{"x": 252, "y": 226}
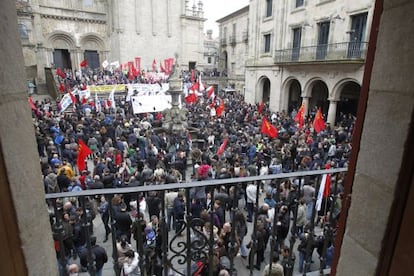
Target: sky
{"x": 216, "y": 9}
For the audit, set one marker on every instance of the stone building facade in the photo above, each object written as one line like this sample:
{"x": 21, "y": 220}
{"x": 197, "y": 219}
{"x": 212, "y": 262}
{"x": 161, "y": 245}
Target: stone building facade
{"x": 62, "y": 33}
{"x": 307, "y": 51}
{"x": 234, "y": 38}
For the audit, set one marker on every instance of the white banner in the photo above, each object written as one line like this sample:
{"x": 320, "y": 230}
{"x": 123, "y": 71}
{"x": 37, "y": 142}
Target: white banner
{"x": 65, "y": 102}
{"x": 143, "y": 89}
{"x": 83, "y": 94}
{"x": 144, "y": 104}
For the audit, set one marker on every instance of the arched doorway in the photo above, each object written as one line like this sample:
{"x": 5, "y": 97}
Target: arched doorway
{"x": 92, "y": 45}
{"x": 349, "y": 98}
{"x": 265, "y": 84}
{"x": 319, "y": 97}
{"x": 294, "y": 90}
{"x": 61, "y": 44}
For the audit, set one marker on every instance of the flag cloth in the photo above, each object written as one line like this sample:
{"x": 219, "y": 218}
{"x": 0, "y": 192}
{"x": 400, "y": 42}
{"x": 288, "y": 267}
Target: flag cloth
{"x": 61, "y": 87}
{"x": 84, "y": 63}
{"x": 268, "y": 129}
{"x": 131, "y": 74}
{"x": 299, "y": 118}
{"x": 73, "y": 98}
{"x": 324, "y": 190}
{"x": 60, "y": 73}
{"x": 84, "y": 100}
{"x": 111, "y": 98}
{"x": 168, "y": 65}
{"x": 97, "y": 103}
{"x": 220, "y": 108}
{"x": 138, "y": 65}
{"x": 222, "y": 146}
{"x": 260, "y": 107}
{"x": 201, "y": 86}
{"x": 154, "y": 65}
{"x": 318, "y": 122}
{"x": 32, "y": 105}
{"x": 195, "y": 87}
{"x": 83, "y": 152}
{"x": 191, "y": 98}
{"x": 210, "y": 92}
{"x": 162, "y": 68}
{"x": 192, "y": 75}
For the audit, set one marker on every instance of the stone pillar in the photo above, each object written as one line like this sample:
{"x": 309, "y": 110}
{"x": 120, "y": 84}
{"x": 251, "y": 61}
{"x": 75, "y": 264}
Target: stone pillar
{"x": 25, "y": 231}
{"x": 305, "y": 100}
{"x": 332, "y": 112}
{"x": 75, "y": 58}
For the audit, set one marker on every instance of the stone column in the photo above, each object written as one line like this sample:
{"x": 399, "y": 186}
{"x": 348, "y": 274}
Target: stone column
{"x": 305, "y": 100}
{"x": 332, "y": 112}
{"x": 25, "y": 231}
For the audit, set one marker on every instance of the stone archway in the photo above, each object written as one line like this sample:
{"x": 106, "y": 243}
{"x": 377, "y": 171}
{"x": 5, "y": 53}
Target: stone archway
{"x": 93, "y": 48}
{"x": 263, "y": 88}
{"x": 61, "y": 46}
{"x": 349, "y": 98}
{"x": 294, "y": 91}
{"x": 319, "y": 93}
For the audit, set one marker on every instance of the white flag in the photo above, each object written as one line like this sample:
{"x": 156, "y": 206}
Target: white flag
{"x": 97, "y": 103}
{"x": 320, "y": 193}
{"x": 112, "y": 97}
{"x": 201, "y": 85}
{"x": 105, "y": 64}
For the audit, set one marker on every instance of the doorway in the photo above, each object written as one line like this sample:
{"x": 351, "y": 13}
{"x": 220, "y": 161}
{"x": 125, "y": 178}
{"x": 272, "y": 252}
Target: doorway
{"x": 61, "y": 59}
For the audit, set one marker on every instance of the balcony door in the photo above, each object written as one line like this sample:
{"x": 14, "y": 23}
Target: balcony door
{"x": 323, "y": 36}
{"x": 357, "y": 35}
{"x": 297, "y": 35}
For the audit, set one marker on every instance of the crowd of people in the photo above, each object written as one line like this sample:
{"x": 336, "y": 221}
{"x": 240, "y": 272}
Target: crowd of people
{"x": 130, "y": 150}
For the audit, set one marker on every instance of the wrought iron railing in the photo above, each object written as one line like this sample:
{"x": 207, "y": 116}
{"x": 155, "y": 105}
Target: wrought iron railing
{"x": 324, "y": 52}
{"x": 180, "y": 254}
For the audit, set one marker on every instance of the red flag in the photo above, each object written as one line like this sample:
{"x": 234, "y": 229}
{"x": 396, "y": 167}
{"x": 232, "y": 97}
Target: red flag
{"x": 131, "y": 74}
{"x": 191, "y": 98}
{"x": 222, "y": 146}
{"x": 32, "y": 105}
{"x": 220, "y": 108}
{"x": 84, "y": 63}
{"x": 268, "y": 129}
{"x": 192, "y": 76}
{"x": 327, "y": 188}
{"x": 84, "y": 100}
{"x": 138, "y": 65}
{"x": 161, "y": 67}
{"x": 210, "y": 91}
{"x": 195, "y": 87}
{"x": 318, "y": 122}
{"x": 83, "y": 152}
{"x": 168, "y": 65}
{"x": 61, "y": 88}
{"x": 211, "y": 104}
{"x": 73, "y": 98}
{"x": 60, "y": 73}
{"x": 299, "y": 118}
{"x": 154, "y": 65}
{"x": 260, "y": 107}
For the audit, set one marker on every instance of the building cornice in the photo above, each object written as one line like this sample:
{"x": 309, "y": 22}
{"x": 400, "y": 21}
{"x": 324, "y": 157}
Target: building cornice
{"x": 73, "y": 18}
